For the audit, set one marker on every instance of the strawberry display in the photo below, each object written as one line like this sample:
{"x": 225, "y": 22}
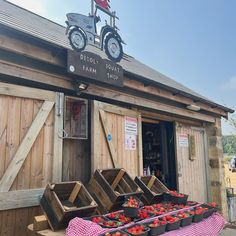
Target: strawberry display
{"x": 137, "y": 230}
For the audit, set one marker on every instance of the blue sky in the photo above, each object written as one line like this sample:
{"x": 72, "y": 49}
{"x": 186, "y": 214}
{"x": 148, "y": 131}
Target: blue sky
{"x": 191, "y": 41}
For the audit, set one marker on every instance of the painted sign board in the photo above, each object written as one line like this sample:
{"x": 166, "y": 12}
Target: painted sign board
{"x": 92, "y": 66}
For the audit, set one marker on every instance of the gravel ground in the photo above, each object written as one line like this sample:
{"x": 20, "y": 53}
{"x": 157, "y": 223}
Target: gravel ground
{"x": 230, "y": 230}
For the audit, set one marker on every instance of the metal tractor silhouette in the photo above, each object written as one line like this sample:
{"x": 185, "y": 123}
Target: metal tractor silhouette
{"x": 82, "y": 30}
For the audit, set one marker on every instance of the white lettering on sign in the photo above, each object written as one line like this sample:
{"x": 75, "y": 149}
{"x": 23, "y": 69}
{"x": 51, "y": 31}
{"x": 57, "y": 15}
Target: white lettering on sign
{"x": 86, "y": 58}
{"x": 183, "y": 140}
{"x": 89, "y": 69}
{"x": 131, "y": 125}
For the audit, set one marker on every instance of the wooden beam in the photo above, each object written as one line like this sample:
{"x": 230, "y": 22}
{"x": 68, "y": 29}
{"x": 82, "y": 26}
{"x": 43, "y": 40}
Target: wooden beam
{"x": 154, "y": 105}
{"x": 74, "y": 192}
{"x": 26, "y": 92}
{"x": 140, "y": 146}
{"x": 20, "y": 199}
{"x": 10, "y": 43}
{"x": 58, "y": 141}
{"x": 30, "y": 74}
{"x": 118, "y": 178}
{"x": 106, "y": 130}
{"x": 151, "y": 182}
{"x": 154, "y": 90}
{"x": 94, "y": 90}
{"x": 25, "y": 146}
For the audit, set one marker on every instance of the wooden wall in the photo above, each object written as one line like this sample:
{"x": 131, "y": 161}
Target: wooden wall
{"x": 109, "y": 120}
{"x": 17, "y": 114}
{"x": 76, "y": 160}
{"x": 192, "y": 173}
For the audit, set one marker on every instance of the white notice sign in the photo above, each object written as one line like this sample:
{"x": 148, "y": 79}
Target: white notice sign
{"x": 183, "y": 140}
{"x": 131, "y": 125}
{"x": 130, "y": 142}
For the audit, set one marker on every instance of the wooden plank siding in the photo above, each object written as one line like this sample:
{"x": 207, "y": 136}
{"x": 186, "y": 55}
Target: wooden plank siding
{"x": 191, "y": 173}
{"x": 46, "y": 78}
{"x": 17, "y": 114}
{"x": 101, "y": 155}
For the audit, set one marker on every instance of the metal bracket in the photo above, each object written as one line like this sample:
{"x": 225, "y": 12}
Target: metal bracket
{"x": 62, "y": 134}
{"x": 59, "y": 104}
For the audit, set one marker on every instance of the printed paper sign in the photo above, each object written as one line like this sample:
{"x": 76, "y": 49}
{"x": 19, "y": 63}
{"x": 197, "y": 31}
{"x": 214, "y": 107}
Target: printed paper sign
{"x": 130, "y": 142}
{"x": 131, "y": 125}
{"x": 183, "y": 140}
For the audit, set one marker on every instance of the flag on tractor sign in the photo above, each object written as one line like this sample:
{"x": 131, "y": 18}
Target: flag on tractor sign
{"x": 103, "y": 3}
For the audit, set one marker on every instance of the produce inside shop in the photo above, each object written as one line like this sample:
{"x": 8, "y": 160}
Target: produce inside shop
{"x": 123, "y": 206}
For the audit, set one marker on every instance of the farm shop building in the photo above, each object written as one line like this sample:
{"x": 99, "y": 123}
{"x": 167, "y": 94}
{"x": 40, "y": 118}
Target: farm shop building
{"x": 57, "y": 125}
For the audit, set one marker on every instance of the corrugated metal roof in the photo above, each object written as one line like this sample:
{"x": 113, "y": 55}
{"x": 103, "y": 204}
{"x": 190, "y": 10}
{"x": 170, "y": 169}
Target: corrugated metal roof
{"x": 32, "y": 24}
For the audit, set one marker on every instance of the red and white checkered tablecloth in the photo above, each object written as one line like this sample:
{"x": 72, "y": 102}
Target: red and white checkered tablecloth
{"x": 211, "y": 226}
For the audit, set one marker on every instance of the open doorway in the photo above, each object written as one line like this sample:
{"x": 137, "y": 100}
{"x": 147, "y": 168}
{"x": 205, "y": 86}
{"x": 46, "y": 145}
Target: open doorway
{"x": 159, "y": 151}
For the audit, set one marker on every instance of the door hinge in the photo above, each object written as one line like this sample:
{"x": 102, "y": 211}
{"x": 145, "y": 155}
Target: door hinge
{"x": 59, "y": 104}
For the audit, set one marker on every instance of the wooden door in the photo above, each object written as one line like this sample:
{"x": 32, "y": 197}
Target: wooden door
{"x": 113, "y": 144}
{"x": 191, "y": 162}
{"x": 30, "y": 152}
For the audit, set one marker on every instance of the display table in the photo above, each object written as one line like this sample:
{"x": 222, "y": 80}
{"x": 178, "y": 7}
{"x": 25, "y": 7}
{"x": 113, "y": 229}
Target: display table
{"x": 211, "y": 226}
{"x": 46, "y": 232}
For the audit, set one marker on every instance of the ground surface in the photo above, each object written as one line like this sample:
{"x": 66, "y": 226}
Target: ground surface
{"x": 230, "y": 178}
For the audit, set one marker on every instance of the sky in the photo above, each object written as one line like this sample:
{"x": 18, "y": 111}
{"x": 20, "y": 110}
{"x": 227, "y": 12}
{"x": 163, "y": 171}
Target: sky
{"x": 191, "y": 41}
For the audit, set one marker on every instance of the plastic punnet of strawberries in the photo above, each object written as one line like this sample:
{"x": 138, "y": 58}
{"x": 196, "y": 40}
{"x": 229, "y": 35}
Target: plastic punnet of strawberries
{"x": 133, "y": 202}
{"x": 170, "y": 219}
{"x": 116, "y": 233}
{"x": 176, "y": 194}
{"x": 110, "y": 224}
{"x": 137, "y": 229}
{"x": 120, "y": 217}
{"x": 156, "y": 223}
{"x": 97, "y": 219}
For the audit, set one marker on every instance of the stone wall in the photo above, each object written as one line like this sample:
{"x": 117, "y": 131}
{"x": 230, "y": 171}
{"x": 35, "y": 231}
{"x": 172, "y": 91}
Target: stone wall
{"x": 216, "y": 166}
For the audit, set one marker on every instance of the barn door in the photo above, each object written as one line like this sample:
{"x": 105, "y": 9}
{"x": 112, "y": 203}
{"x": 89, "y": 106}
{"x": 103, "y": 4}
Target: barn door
{"x": 116, "y": 138}
{"x": 191, "y": 162}
{"x": 30, "y": 144}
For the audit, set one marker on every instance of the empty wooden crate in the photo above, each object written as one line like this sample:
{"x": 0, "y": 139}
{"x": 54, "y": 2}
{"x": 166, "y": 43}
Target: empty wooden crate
{"x": 110, "y": 188}
{"x": 64, "y": 201}
{"x": 152, "y": 187}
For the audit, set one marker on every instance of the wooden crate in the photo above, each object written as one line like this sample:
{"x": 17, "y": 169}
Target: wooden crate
{"x": 152, "y": 187}
{"x": 110, "y": 188}
{"x": 64, "y": 201}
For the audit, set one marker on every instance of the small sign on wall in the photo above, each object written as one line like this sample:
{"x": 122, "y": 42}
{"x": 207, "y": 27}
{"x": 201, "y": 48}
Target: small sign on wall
{"x": 130, "y": 142}
{"x": 183, "y": 140}
{"x": 131, "y": 132}
{"x": 131, "y": 125}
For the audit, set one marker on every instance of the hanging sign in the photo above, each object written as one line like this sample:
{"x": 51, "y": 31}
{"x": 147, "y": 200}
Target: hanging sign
{"x": 183, "y": 140}
{"x": 92, "y": 66}
{"x": 131, "y": 125}
{"x": 130, "y": 142}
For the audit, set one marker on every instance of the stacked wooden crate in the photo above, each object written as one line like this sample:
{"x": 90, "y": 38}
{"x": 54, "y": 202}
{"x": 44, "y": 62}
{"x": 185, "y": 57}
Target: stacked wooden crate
{"x": 110, "y": 187}
{"x": 62, "y": 202}
{"x": 152, "y": 188}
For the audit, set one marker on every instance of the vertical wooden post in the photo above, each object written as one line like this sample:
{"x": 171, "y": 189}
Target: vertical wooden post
{"x": 58, "y": 141}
